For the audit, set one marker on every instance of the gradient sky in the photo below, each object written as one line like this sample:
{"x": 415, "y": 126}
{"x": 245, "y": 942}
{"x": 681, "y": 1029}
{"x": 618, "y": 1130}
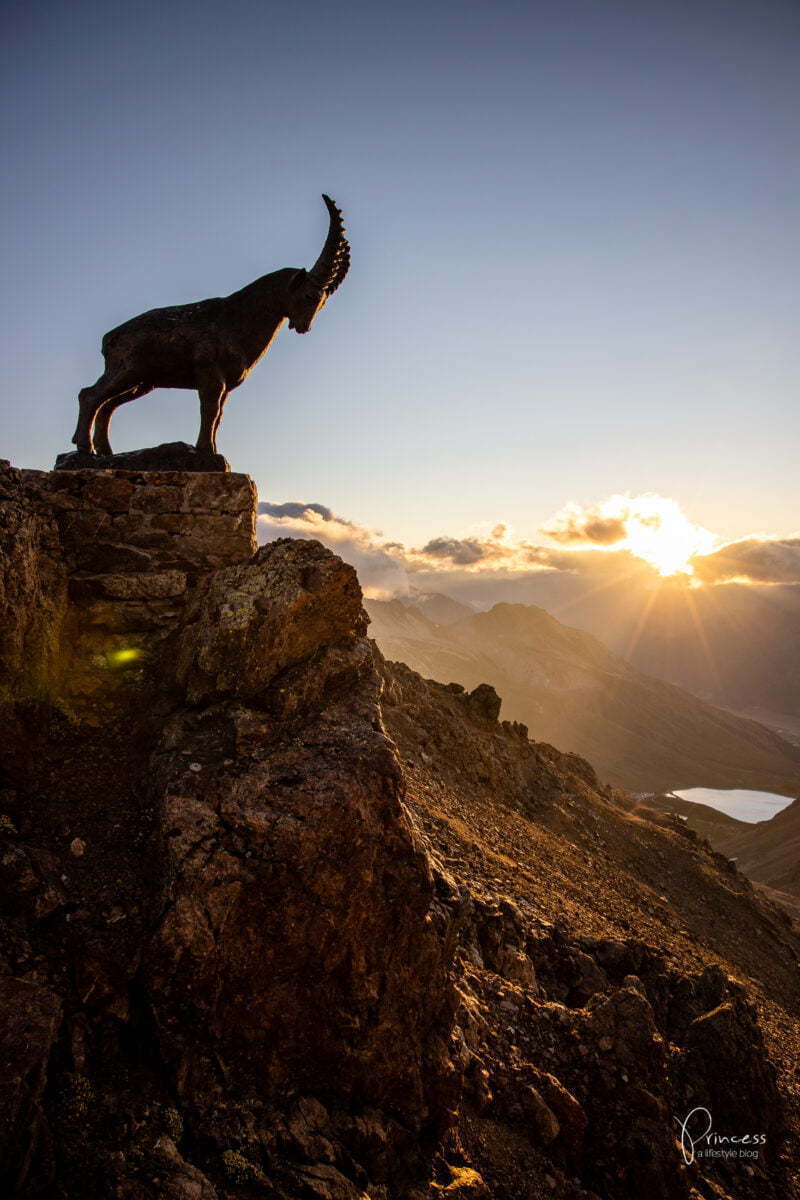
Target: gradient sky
{"x": 576, "y": 260}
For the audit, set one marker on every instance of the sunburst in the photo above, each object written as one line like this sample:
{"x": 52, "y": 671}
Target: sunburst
{"x": 660, "y": 533}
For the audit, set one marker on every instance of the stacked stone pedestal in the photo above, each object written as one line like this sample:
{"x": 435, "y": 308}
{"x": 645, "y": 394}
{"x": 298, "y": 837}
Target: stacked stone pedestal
{"x": 133, "y": 544}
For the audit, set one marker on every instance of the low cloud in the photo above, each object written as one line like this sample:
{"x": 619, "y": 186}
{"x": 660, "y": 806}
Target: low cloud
{"x": 756, "y": 559}
{"x": 607, "y": 540}
{"x": 386, "y": 568}
{"x": 299, "y": 512}
{"x": 589, "y": 524}
{"x": 499, "y": 553}
{"x": 464, "y": 552}
{"x": 379, "y": 564}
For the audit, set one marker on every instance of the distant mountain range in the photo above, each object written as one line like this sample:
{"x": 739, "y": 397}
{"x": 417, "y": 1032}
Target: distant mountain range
{"x": 639, "y": 732}
{"x": 737, "y": 645}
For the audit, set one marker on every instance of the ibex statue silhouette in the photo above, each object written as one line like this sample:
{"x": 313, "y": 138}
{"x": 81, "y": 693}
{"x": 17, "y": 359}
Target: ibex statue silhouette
{"x": 210, "y": 346}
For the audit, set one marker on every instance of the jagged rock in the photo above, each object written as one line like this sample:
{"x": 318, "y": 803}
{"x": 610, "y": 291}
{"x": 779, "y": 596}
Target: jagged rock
{"x": 242, "y": 1171}
{"x": 485, "y": 701}
{"x": 465, "y": 1183}
{"x": 253, "y": 621}
{"x": 164, "y": 1176}
{"x": 30, "y": 1016}
{"x": 568, "y": 1112}
{"x": 169, "y": 456}
{"x": 623, "y": 1022}
{"x": 310, "y": 1132}
{"x": 725, "y": 1063}
{"x": 300, "y": 957}
{"x": 323, "y": 1182}
{"x": 295, "y": 932}
{"x": 544, "y": 1121}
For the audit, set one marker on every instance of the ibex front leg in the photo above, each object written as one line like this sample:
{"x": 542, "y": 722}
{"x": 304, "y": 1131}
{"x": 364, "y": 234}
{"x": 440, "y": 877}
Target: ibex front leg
{"x": 212, "y": 392}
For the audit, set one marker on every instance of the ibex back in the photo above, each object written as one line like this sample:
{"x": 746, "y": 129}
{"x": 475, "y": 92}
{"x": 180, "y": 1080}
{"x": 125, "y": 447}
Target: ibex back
{"x": 210, "y": 346}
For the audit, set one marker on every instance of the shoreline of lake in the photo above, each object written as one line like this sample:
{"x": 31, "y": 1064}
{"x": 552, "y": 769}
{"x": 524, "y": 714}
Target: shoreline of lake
{"x": 739, "y": 803}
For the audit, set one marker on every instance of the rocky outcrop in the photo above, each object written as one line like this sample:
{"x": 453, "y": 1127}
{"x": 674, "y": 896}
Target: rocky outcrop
{"x": 33, "y": 589}
{"x": 296, "y": 934}
{"x": 278, "y": 918}
{"x": 638, "y": 732}
{"x": 251, "y": 622}
{"x": 226, "y": 964}
{"x": 594, "y": 1014}
{"x": 129, "y": 547}
{"x": 30, "y": 1017}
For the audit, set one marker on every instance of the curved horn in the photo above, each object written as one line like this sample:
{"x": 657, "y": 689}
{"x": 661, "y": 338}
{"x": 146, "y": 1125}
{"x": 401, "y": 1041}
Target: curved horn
{"x": 333, "y": 263}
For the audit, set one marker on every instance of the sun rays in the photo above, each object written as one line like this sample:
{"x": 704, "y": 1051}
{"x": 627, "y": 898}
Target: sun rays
{"x": 660, "y": 533}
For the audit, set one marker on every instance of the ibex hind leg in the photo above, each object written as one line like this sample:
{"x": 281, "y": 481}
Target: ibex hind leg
{"x": 108, "y": 387}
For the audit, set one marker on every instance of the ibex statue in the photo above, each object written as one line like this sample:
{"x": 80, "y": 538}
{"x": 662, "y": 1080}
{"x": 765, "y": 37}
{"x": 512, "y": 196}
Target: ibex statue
{"x": 211, "y": 346}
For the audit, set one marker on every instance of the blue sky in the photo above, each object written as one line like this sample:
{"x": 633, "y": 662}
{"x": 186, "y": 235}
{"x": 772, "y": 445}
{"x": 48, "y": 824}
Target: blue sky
{"x": 574, "y": 231}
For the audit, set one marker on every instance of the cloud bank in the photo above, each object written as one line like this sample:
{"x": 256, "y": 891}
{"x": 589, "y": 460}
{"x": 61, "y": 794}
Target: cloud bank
{"x": 378, "y": 562}
{"x": 579, "y": 524}
{"x": 754, "y": 559}
{"x": 618, "y": 537}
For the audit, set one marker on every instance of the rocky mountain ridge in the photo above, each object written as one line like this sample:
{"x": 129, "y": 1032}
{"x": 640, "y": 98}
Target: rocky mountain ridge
{"x": 282, "y": 919}
{"x": 733, "y": 644}
{"x": 639, "y": 732}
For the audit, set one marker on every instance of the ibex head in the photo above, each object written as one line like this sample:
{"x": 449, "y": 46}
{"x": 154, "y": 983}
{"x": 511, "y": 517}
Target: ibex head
{"x": 309, "y": 290}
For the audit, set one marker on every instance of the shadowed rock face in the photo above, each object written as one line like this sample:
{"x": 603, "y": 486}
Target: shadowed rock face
{"x": 33, "y": 587}
{"x": 279, "y": 918}
{"x": 240, "y": 926}
{"x": 295, "y": 935}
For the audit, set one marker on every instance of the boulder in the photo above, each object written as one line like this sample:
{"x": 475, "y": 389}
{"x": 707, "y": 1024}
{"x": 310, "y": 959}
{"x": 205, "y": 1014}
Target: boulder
{"x": 485, "y": 701}
{"x": 295, "y": 949}
{"x": 255, "y": 620}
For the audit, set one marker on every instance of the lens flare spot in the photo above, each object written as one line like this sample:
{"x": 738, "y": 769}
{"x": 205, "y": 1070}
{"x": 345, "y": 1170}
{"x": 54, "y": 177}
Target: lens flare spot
{"x": 121, "y": 658}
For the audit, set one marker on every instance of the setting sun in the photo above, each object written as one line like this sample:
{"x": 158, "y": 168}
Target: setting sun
{"x": 658, "y": 532}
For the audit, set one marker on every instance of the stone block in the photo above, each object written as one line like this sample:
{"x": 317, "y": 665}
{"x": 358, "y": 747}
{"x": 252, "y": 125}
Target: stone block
{"x": 166, "y": 498}
{"x": 124, "y": 521}
{"x": 153, "y": 585}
